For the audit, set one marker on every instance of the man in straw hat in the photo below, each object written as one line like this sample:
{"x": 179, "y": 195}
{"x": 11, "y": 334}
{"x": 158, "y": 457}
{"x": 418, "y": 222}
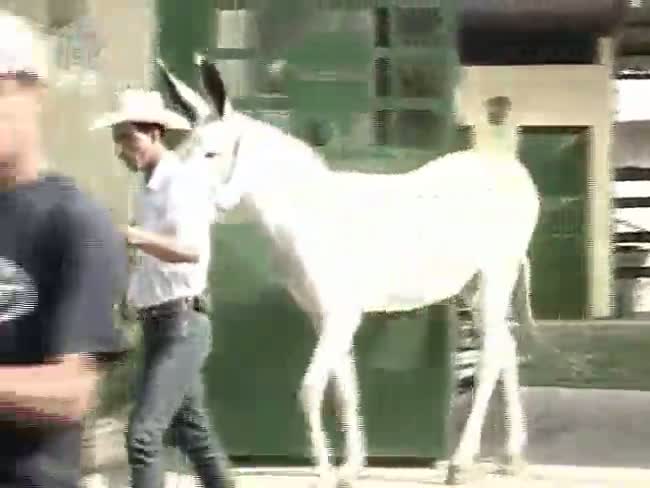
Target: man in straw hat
{"x": 60, "y": 264}
{"x": 173, "y": 213}
{"x": 495, "y": 134}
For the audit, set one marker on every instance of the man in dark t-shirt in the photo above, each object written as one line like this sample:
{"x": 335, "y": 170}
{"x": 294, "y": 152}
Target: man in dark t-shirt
{"x": 60, "y": 267}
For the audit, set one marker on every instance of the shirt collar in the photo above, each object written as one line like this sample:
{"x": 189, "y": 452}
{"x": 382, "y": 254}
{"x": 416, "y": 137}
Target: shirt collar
{"x": 162, "y": 171}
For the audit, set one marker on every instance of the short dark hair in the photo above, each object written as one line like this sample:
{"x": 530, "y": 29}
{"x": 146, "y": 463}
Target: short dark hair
{"x": 149, "y": 127}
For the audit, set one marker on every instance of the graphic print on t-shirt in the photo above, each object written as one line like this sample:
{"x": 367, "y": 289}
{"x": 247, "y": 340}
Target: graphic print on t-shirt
{"x": 18, "y": 293}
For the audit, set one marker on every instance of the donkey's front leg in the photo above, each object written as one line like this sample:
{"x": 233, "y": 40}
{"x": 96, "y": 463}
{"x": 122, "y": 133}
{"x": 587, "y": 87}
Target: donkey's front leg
{"x": 336, "y": 334}
{"x": 311, "y": 397}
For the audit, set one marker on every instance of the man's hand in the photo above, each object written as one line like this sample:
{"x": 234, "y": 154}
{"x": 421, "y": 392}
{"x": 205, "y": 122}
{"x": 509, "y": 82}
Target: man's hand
{"x": 62, "y": 389}
{"x": 133, "y": 235}
{"x": 160, "y": 246}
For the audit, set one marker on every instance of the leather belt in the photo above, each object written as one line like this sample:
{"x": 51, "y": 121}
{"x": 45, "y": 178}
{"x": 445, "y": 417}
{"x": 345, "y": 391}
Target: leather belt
{"x": 167, "y": 309}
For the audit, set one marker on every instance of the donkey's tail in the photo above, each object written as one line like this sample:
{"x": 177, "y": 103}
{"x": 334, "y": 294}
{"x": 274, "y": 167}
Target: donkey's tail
{"x": 521, "y": 304}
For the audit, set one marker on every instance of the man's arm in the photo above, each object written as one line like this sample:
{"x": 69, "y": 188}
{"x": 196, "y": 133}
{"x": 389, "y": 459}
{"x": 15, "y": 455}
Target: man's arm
{"x": 190, "y": 216}
{"x": 167, "y": 248}
{"x": 62, "y": 390}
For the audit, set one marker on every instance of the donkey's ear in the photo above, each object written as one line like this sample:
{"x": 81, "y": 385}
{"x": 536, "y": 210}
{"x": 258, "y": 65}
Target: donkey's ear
{"x": 213, "y": 84}
{"x": 193, "y": 106}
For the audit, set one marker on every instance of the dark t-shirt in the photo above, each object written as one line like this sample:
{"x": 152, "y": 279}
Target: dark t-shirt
{"x": 62, "y": 266}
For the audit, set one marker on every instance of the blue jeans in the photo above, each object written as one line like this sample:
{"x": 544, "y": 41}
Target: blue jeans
{"x": 170, "y": 401}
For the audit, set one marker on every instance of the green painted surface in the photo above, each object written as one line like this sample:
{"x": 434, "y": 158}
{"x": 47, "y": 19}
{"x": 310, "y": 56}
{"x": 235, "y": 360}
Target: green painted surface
{"x": 557, "y": 159}
{"x": 262, "y": 341}
{"x": 184, "y": 28}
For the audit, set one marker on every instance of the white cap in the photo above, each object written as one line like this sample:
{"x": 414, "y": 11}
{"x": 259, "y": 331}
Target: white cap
{"x": 22, "y": 47}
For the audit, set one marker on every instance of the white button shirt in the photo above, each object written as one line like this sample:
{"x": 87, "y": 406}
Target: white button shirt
{"x": 174, "y": 202}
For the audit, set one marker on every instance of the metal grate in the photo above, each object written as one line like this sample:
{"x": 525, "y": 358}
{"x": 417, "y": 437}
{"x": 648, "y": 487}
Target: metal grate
{"x": 358, "y": 75}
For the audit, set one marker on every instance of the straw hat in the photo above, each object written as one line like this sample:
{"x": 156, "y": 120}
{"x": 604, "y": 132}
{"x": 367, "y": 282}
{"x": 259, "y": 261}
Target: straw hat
{"x": 22, "y": 47}
{"x": 142, "y": 106}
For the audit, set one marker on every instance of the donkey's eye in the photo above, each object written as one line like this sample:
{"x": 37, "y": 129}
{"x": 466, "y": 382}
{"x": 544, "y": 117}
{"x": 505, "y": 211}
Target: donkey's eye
{"x": 210, "y": 155}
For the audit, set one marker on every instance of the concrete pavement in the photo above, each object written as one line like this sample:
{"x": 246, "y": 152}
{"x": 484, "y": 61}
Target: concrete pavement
{"x": 577, "y": 439}
{"x": 536, "y": 476}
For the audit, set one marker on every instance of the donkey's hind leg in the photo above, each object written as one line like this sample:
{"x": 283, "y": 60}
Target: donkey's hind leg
{"x": 336, "y": 334}
{"x": 348, "y": 399}
{"x": 514, "y": 412}
{"x": 494, "y": 300}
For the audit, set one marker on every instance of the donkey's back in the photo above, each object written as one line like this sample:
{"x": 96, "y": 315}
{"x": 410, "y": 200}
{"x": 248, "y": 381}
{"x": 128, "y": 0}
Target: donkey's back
{"x": 404, "y": 241}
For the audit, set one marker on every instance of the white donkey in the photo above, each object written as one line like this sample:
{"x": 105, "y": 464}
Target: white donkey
{"x": 349, "y": 243}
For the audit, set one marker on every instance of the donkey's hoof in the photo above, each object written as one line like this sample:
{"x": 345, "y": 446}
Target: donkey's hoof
{"x": 348, "y": 473}
{"x": 513, "y": 465}
{"x": 345, "y": 483}
{"x": 459, "y": 475}
{"x": 347, "y": 480}
{"x": 322, "y": 483}
{"x": 328, "y": 480}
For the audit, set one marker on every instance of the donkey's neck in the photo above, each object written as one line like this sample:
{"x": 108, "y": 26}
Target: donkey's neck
{"x": 288, "y": 153}
{"x": 500, "y": 142}
{"x": 276, "y": 170}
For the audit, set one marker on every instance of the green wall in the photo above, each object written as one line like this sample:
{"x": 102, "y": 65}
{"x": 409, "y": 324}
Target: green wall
{"x": 558, "y": 159}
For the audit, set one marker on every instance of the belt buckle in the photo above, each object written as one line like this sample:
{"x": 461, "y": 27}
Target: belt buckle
{"x": 145, "y": 314}
{"x": 184, "y": 304}
{"x": 149, "y": 313}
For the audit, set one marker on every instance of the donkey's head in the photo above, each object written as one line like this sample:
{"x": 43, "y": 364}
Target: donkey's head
{"x": 237, "y": 163}
{"x": 216, "y": 134}
{"x": 214, "y": 121}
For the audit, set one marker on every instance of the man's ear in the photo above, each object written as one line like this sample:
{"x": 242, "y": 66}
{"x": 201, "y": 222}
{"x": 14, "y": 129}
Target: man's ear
{"x": 160, "y": 134}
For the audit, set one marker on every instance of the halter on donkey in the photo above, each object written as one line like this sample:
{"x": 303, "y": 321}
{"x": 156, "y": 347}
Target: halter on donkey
{"x": 416, "y": 239}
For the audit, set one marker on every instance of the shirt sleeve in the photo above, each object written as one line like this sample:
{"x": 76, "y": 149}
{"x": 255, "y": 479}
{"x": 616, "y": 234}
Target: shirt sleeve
{"x": 92, "y": 275}
{"x": 190, "y": 210}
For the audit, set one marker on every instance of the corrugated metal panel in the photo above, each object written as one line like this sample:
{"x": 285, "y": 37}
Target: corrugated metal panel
{"x": 496, "y": 32}
{"x": 632, "y": 227}
{"x": 599, "y": 17}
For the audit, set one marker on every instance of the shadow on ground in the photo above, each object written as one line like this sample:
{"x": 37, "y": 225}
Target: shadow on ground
{"x": 580, "y": 427}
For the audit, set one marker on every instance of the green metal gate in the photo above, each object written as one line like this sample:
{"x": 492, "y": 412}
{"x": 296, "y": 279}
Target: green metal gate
{"x": 370, "y": 85}
{"x": 558, "y": 159}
